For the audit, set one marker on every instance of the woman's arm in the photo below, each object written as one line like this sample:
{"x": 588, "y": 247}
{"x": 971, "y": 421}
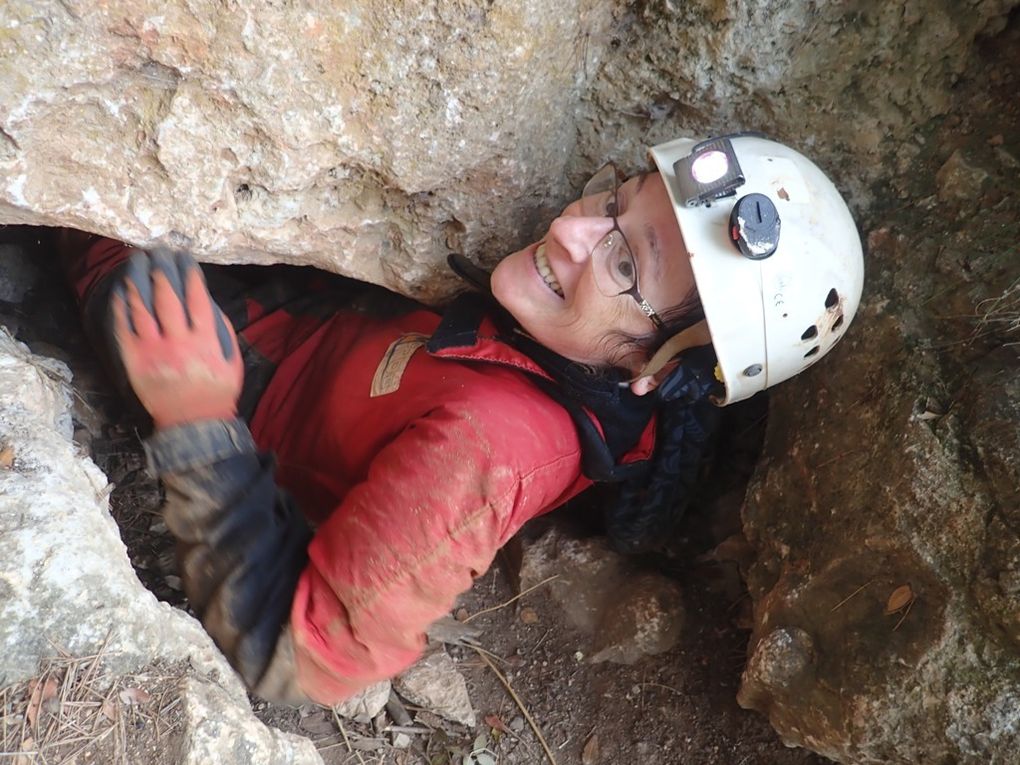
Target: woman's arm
{"x": 241, "y": 545}
{"x": 325, "y": 619}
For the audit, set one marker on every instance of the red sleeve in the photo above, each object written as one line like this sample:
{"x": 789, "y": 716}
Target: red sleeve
{"x": 437, "y": 504}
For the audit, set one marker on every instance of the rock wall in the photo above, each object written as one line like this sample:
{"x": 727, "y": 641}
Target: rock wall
{"x": 886, "y": 514}
{"x": 66, "y": 584}
{"x": 372, "y": 138}
{"x": 364, "y": 137}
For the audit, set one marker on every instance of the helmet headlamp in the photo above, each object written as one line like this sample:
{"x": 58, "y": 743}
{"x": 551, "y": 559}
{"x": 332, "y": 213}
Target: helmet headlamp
{"x": 711, "y": 171}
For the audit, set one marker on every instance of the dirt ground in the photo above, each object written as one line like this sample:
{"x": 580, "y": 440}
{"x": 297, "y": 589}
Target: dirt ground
{"x": 673, "y": 708}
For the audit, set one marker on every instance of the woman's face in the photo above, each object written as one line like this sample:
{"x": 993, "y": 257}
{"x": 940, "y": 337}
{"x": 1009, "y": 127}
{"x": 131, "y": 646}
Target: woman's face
{"x": 564, "y": 309}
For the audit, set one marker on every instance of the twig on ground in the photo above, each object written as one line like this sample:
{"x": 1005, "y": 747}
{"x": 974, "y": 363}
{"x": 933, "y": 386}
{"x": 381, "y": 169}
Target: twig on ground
{"x": 512, "y": 600}
{"x": 343, "y": 732}
{"x": 851, "y": 595}
{"x": 519, "y": 703}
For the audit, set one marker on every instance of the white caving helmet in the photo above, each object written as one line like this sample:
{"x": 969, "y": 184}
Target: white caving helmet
{"x": 776, "y": 255}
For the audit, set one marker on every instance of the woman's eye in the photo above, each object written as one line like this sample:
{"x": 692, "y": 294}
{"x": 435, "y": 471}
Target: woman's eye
{"x": 626, "y": 269}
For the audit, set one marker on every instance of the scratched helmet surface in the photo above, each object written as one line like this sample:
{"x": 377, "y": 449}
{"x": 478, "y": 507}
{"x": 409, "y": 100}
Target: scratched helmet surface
{"x": 776, "y": 254}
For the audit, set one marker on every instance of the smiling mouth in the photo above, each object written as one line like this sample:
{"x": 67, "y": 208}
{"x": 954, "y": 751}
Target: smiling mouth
{"x": 542, "y": 266}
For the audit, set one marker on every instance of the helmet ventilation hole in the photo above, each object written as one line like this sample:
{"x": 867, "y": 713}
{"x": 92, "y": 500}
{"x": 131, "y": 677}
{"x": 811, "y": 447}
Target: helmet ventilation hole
{"x": 832, "y": 298}
{"x": 838, "y": 323}
{"x": 810, "y": 332}
{"x": 812, "y": 352}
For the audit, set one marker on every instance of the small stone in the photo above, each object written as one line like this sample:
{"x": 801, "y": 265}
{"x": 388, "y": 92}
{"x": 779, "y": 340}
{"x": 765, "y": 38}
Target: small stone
{"x": 959, "y": 179}
{"x": 436, "y": 684}
{"x": 529, "y": 616}
{"x": 365, "y": 705}
{"x": 401, "y": 741}
{"x": 780, "y": 662}
{"x": 996, "y": 140}
{"x": 517, "y": 724}
{"x": 646, "y": 620}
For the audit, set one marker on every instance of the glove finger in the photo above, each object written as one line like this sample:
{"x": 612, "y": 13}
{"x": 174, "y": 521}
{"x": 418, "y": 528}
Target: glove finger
{"x": 170, "y": 312}
{"x": 143, "y": 323}
{"x": 225, "y": 333}
{"x": 123, "y": 325}
{"x": 171, "y": 298}
{"x": 205, "y": 314}
{"x": 138, "y": 274}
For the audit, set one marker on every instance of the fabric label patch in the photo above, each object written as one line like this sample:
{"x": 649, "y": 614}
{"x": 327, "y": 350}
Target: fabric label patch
{"x": 391, "y": 369}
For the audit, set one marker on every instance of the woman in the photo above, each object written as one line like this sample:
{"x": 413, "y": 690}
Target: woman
{"x": 416, "y": 445}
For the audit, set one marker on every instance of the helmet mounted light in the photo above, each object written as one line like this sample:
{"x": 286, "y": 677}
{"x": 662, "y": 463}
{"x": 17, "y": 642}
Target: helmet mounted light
{"x": 773, "y": 307}
{"x": 711, "y": 171}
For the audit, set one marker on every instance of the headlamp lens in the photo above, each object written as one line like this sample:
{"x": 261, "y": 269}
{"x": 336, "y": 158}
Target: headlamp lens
{"x": 710, "y": 166}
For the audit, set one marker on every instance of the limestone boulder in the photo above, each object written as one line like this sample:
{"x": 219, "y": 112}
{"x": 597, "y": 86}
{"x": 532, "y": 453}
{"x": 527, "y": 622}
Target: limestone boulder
{"x": 67, "y": 586}
{"x": 885, "y": 513}
{"x": 371, "y": 139}
{"x": 626, "y": 613}
{"x": 362, "y": 137}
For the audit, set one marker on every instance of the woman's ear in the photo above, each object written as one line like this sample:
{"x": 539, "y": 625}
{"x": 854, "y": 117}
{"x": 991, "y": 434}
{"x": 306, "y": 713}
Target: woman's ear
{"x": 644, "y": 385}
{"x": 641, "y": 386}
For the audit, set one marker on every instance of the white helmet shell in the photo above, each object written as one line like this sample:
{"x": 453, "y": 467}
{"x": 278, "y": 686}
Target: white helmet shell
{"x": 770, "y": 318}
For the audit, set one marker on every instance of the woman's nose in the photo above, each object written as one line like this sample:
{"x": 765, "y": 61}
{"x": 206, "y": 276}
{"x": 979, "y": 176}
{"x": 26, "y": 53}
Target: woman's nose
{"x": 578, "y": 234}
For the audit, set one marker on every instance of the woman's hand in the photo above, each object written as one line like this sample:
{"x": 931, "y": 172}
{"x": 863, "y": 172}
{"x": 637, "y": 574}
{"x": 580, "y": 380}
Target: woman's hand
{"x": 179, "y": 350}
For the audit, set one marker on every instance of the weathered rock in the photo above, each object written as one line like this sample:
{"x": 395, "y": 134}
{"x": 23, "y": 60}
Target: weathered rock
{"x": 627, "y": 613}
{"x": 644, "y": 617}
{"x": 960, "y": 179}
{"x": 221, "y": 730}
{"x": 359, "y": 137}
{"x": 848, "y": 83}
{"x": 65, "y": 579}
{"x": 885, "y": 514}
{"x": 436, "y": 684}
{"x": 372, "y": 139}
{"x": 365, "y": 705}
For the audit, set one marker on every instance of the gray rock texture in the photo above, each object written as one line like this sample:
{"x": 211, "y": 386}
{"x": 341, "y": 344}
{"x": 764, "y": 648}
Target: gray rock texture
{"x": 362, "y": 137}
{"x": 627, "y": 613}
{"x": 435, "y": 683}
{"x": 371, "y": 139}
{"x": 66, "y": 582}
{"x": 364, "y": 706}
{"x": 886, "y": 513}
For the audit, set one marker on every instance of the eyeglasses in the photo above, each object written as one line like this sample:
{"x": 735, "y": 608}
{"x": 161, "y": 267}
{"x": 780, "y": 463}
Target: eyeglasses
{"x": 613, "y": 261}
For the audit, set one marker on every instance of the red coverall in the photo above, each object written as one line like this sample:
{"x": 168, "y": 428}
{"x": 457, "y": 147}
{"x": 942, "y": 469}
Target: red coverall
{"x": 413, "y": 467}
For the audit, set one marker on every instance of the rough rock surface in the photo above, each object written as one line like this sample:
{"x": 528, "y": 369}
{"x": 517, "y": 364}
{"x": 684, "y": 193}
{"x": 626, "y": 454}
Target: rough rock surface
{"x": 371, "y": 139}
{"x": 364, "y": 706}
{"x": 885, "y": 513}
{"x": 362, "y": 137}
{"x": 844, "y": 81}
{"x": 66, "y": 581}
{"x": 627, "y": 613}
{"x": 435, "y": 683}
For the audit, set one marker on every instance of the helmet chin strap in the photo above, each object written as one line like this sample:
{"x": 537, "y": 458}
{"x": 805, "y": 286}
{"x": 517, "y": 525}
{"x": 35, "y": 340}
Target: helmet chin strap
{"x": 691, "y": 337}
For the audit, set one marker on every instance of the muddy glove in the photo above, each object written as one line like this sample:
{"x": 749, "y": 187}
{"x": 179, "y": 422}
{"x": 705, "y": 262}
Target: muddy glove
{"x": 179, "y": 351}
{"x": 241, "y": 543}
